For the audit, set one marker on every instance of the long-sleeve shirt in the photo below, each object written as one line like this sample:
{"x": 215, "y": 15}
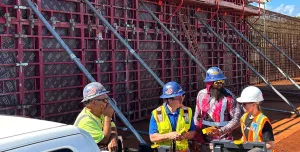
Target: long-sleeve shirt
{"x": 211, "y": 112}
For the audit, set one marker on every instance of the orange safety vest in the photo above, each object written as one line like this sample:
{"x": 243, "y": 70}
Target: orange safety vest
{"x": 255, "y": 131}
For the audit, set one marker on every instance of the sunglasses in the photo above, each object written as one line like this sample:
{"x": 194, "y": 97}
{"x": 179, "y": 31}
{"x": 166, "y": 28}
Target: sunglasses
{"x": 105, "y": 100}
{"x": 219, "y": 82}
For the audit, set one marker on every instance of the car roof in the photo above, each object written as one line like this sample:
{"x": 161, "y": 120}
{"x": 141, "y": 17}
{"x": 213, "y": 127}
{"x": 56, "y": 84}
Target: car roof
{"x": 17, "y": 131}
{"x": 14, "y": 125}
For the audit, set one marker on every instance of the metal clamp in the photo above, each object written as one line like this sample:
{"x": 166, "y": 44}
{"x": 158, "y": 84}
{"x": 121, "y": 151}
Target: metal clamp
{"x": 99, "y": 61}
{"x": 19, "y": 7}
{"x": 21, "y": 64}
{"x": 72, "y": 24}
{"x": 89, "y": 26}
{"x": 146, "y": 28}
{"x": 99, "y": 36}
{"x": 8, "y": 19}
{"x": 128, "y": 92}
{"x": 115, "y": 25}
{"x": 53, "y": 21}
{"x": 20, "y": 36}
{"x": 20, "y": 107}
{"x": 31, "y": 20}
{"x": 105, "y": 29}
{"x": 127, "y": 61}
{"x": 156, "y": 30}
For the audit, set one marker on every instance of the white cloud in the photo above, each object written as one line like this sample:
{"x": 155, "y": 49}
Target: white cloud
{"x": 285, "y": 9}
{"x": 298, "y": 14}
{"x": 268, "y": 7}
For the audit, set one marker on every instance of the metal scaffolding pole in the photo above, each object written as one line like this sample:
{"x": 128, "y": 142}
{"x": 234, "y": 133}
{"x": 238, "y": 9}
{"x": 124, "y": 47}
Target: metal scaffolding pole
{"x": 245, "y": 62}
{"x": 276, "y": 47}
{"x": 257, "y": 50}
{"x": 81, "y": 67}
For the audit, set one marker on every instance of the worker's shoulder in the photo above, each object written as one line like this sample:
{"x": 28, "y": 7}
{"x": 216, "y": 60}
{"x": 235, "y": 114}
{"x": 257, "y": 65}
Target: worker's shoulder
{"x": 202, "y": 92}
{"x": 159, "y": 108}
{"x": 85, "y": 119}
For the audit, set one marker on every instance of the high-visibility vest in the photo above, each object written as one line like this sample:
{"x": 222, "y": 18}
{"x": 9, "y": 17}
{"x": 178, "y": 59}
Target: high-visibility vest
{"x": 164, "y": 126}
{"x": 255, "y": 128}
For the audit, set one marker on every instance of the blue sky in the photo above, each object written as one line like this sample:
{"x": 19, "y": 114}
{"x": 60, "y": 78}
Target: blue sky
{"x": 287, "y": 7}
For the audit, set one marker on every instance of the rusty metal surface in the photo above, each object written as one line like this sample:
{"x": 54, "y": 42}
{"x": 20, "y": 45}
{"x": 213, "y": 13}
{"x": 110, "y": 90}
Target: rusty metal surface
{"x": 284, "y": 32}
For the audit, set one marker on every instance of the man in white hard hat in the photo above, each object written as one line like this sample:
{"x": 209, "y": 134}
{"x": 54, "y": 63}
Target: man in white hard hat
{"x": 95, "y": 118}
{"x": 256, "y": 127}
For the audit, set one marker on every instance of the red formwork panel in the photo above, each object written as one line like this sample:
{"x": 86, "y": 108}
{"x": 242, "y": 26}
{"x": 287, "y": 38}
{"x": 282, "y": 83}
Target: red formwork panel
{"x": 50, "y": 86}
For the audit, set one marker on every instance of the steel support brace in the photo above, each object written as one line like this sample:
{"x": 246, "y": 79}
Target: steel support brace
{"x": 104, "y": 21}
{"x": 81, "y": 67}
{"x": 180, "y": 44}
{"x": 245, "y": 62}
{"x": 276, "y": 47}
{"x": 257, "y": 50}
{"x": 174, "y": 37}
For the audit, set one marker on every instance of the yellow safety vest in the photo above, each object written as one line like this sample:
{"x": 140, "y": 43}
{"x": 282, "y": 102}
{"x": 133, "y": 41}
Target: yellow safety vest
{"x": 164, "y": 126}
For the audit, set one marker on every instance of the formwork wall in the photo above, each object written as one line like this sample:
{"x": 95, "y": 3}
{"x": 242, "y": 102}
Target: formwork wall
{"x": 284, "y": 32}
{"x": 50, "y": 86}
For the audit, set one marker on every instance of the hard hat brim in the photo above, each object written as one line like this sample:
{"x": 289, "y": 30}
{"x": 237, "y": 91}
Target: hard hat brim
{"x": 94, "y": 96}
{"x": 172, "y": 95}
{"x": 241, "y": 100}
{"x": 216, "y": 79}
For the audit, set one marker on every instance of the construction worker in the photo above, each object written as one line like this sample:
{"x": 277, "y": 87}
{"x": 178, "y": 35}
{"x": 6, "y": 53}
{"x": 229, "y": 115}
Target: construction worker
{"x": 169, "y": 119}
{"x": 256, "y": 127}
{"x": 96, "y": 116}
{"x": 214, "y": 107}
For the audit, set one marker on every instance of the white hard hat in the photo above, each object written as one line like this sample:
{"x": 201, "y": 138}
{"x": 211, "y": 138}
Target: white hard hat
{"x": 251, "y": 94}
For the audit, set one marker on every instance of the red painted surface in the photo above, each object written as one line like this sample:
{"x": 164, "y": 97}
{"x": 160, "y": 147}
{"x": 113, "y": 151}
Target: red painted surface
{"x": 51, "y": 85}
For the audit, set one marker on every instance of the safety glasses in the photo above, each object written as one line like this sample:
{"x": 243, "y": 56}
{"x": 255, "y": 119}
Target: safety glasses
{"x": 219, "y": 82}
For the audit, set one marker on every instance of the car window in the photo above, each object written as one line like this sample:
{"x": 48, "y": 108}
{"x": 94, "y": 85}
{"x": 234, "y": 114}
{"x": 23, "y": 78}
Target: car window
{"x": 63, "y": 150}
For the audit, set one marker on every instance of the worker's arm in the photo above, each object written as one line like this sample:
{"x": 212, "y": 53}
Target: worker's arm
{"x": 268, "y": 136}
{"x": 113, "y": 141}
{"x": 155, "y": 136}
{"x": 270, "y": 145}
{"x": 107, "y": 130}
{"x": 234, "y": 110}
{"x": 188, "y": 135}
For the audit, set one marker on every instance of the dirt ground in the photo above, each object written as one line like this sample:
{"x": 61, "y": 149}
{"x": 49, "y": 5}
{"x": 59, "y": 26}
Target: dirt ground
{"x": 286, "y": 126}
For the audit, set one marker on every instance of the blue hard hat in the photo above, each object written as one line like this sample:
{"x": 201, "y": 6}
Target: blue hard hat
{"x": 93, "y": 90}
{"x": 171, "y": 89}
{"x": 214, "y": 74}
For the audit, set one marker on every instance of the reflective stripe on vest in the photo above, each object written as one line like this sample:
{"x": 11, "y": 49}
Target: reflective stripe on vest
{"x": 164, "y": 126}
{"x": 159, "y": 115}
{"x": 260, "y": 120}
{"x": 222, "y": 122}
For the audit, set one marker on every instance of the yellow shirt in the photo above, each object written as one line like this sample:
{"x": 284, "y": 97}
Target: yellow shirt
{"x": 91, "y": 124}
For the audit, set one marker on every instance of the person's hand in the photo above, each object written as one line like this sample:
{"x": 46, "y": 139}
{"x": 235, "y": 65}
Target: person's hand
{"x": 113, "y": 145}
{"x": 214, "y": 132}
{"x": 174, "y": 135}
{"x": 108, "y": 111}
{"x": 181, "y": 137}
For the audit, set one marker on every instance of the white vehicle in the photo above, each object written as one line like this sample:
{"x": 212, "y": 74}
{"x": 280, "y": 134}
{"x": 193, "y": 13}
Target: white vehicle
{"x": 19, "y": 134}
